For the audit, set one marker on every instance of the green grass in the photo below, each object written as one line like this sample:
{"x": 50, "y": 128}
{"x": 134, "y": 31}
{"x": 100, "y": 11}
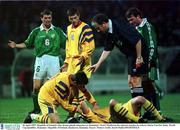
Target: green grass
{"x": 14, "y": 111}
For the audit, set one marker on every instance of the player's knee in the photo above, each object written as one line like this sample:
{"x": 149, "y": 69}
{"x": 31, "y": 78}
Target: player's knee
{"x": 140, "y": 99}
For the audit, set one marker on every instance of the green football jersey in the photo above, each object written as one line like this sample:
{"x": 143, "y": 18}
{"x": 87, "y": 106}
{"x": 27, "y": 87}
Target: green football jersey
{"x": 46, "y": 42}
{"x": 149, "y": 34}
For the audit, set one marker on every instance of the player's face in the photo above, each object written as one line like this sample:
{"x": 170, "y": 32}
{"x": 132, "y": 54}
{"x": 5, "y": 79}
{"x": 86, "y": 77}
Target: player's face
{"x": 133, "y": 20}
{"x": 46, "y": 20}
{"x": 74, "y": 19}
{"x": 100, "y": 28}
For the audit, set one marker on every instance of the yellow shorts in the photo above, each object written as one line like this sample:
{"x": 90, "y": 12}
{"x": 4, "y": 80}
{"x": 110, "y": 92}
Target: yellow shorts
{"x": 46, "y": 104}
{"x": 72, "y": 68}
{"x": 129, "y": 107}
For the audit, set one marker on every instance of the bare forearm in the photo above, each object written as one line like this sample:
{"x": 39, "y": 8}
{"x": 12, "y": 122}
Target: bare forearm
{"x": 21, "y": 45}
{"x": 138, "y": 48}
{"x": 104, "y": 55}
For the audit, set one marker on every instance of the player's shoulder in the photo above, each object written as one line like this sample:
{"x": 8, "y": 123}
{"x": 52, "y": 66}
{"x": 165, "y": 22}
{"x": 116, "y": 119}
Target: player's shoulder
{"x": 85, "y": 26}
{"x": 35, "y": 30}
{"x": 57, "y": 28}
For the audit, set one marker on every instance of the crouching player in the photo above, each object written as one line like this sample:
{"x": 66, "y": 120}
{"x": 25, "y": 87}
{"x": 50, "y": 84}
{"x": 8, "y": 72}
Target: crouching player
{"x": 122, "y": 113}
{"x": 60, "y": 90}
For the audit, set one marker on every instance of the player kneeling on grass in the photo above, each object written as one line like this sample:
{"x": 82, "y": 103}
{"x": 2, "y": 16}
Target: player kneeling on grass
{"x": 122, "y": 113}
{"x": 59, "y": 90}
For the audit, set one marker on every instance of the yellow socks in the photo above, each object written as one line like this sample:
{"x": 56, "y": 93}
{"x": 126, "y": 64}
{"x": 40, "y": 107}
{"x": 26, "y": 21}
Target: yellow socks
{"x": 148, "y": 106}
{"x": 41, "y": 118}
{"x": 123, "y": 112}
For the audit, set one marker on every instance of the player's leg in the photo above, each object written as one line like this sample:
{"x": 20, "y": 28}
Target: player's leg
{"x": 147, "y": 105}
{"x": 48, "y": 110}
{"x": 150, "y": 91}
{"x": 136, "y": 86}
{"x": 45, "y": 118}
{"x": 120, "y": 114}
{"x": 96, "y": 115}
{"x": 53, "y": 66}
{"x": 39, "y": 74}
{"x": 134, "y": 78}
{"x": 154, "y": 75}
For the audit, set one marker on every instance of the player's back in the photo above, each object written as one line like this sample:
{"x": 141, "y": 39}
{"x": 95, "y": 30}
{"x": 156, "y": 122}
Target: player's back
{"x": 57, "y": 88}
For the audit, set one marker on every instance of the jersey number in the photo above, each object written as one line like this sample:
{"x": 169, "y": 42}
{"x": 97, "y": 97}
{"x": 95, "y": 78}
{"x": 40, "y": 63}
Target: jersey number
{"x": 62, "y": 90}
{"x": 47, "y": 42}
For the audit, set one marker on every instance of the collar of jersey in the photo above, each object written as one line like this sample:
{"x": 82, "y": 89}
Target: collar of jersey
{"x": 144, "y": 20}
{"x": 42, "y": 28}
{"x": 80, "y": 22}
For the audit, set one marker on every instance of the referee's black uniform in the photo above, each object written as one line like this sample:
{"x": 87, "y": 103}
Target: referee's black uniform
{"x": 124, "y": 36}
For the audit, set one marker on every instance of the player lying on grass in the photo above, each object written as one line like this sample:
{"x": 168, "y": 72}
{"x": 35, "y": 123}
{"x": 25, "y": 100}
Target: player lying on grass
{"x": 60, "y": 91}
{"x": 122, "y": 113}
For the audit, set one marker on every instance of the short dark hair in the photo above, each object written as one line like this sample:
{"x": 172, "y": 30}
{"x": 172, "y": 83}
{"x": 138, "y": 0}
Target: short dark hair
{"x": 72, "y": 11}
{"x": 133, "y": 11}
{"x": 46, "y": 12}
{"x": 80, "y": 78}
{"x": 100, "y": 19}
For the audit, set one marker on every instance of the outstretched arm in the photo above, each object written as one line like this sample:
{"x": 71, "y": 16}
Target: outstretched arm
{"x": 104, "y": 55}
{"x": 12, "y": 44}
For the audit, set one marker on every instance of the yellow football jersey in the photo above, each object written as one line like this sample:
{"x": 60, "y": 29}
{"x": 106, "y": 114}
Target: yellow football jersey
{"x": 80, "y": 42}
{"x": 57, "y": 91}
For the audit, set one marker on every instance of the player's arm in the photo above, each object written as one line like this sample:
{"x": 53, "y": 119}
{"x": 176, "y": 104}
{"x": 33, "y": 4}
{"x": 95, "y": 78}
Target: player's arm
{"x": 29, "y": 42}
{"x": 104, "y": 55}
{"x": 152, "y": 44}
{"x": 89, "y": 97}
{"x": 86, "y": 44}
{"x": 68, "y": 107}
{"x": 12, "y": 44}
{"x": 63, "y": 38}
{"x": 139, "y": 59}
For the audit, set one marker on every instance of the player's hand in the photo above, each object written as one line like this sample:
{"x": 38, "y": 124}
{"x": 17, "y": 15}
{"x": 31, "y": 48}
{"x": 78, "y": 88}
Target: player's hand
{"x": 139, "y": 61}
{"x": 64, "y": 67}
{"x": 94, "y": 67}
{"x": 81, "y": 62}
{"x": 12, "y": 44}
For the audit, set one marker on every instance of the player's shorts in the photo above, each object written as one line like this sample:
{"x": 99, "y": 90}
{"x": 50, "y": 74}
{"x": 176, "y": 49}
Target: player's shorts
{"x": 73, "y": 68}
{"x": 133, "y": 71}
{"x": 46, "y": 107}
{"x": 129, "y": 107}
{"x": 46, "y": 66}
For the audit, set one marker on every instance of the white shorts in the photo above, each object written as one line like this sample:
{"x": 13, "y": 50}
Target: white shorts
{"x": 46, "y": 67}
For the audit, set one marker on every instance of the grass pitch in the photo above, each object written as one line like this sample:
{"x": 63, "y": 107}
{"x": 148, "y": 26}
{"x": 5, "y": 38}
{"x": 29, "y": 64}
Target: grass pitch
{"x": 15, "y": 110}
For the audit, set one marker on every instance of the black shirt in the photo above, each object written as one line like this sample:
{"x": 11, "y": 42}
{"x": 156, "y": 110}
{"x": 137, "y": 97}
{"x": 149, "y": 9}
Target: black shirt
{"x": 124, "y": 37}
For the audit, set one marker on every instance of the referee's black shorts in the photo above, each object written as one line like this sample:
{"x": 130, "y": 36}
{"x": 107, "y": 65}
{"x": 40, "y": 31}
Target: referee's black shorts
{"x": 142, "y": 70}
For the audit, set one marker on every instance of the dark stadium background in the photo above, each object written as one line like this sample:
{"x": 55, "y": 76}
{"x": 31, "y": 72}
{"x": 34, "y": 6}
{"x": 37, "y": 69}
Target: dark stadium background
{"x": 18, "y": 18}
